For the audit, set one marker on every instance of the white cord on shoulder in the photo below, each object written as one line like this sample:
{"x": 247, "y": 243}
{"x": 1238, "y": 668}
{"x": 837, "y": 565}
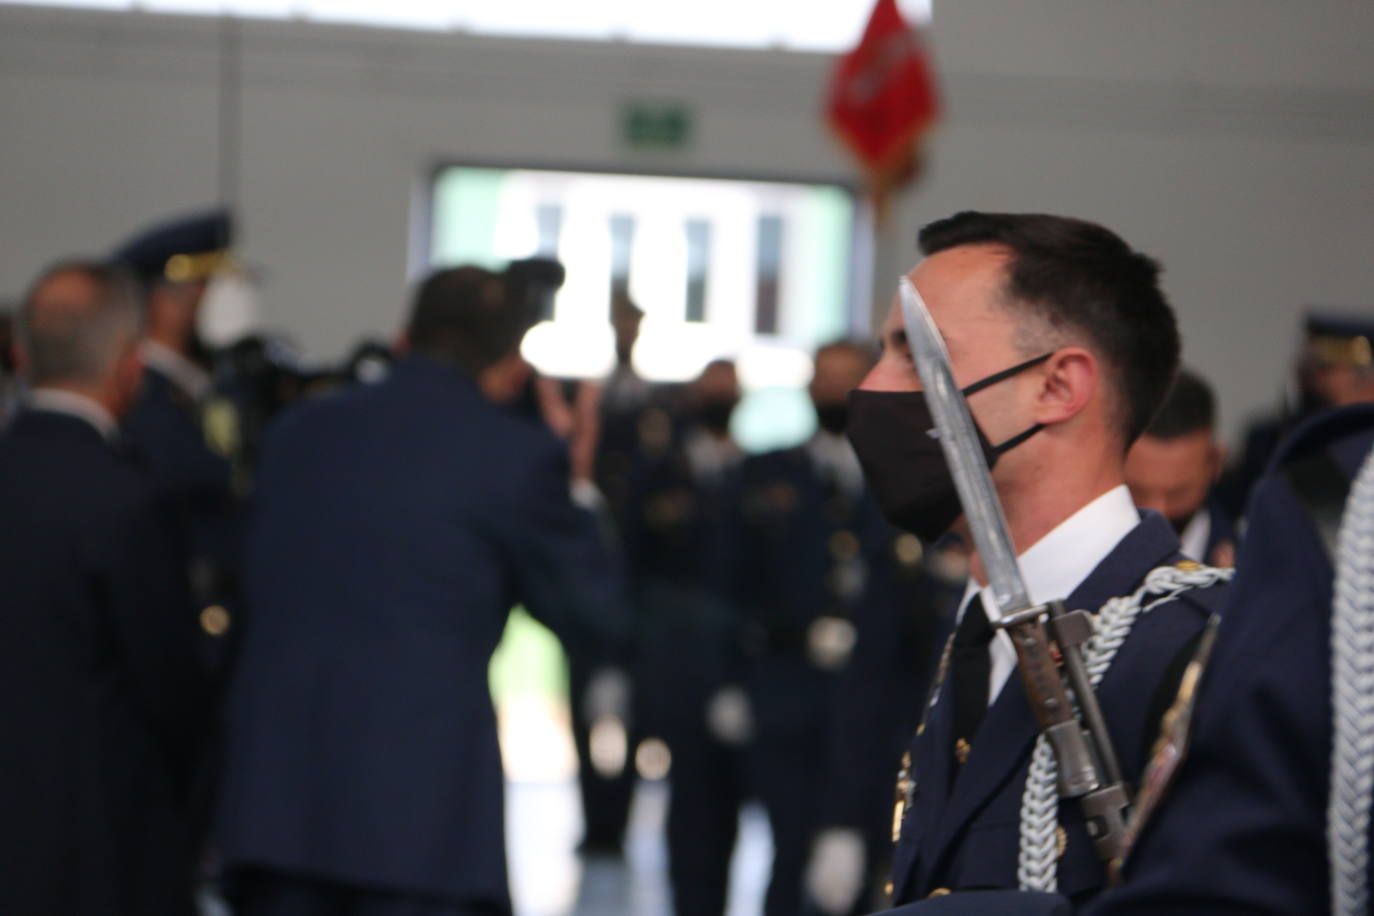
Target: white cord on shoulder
{"x": 1352, "y": 702}
{"x": 1037, "y": 864}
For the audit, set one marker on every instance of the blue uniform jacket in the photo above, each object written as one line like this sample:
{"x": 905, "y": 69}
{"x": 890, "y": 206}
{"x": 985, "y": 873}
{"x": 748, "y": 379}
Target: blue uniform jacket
{"x": 100, "y": 693}
{"x": 394, "y": 526}
{"x": 164, "y": 430}
{"x": 791, "y": 541}
{"x": 164, "y": 433}
{"x": 687, "y": 635}
{"x": 969, "y": 838}
{"x": 1242, "y": 830}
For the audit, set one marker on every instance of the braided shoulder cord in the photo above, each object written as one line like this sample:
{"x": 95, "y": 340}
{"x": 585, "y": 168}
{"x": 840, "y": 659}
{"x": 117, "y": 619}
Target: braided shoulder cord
{"x": 1037, "y": 863}
{"x": 1352, "y": 702}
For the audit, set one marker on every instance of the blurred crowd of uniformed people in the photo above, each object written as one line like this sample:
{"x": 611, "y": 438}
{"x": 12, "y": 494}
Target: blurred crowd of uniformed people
{"x": 249, "y": 607}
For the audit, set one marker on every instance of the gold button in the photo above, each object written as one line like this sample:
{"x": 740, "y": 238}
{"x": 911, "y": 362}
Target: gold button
{"x": 938, "y": 892}
{"x": 1061, "y": 842}
{"x": 1361, "y": 353}
{"x": 908, "y": 549}
{"x": 215, "y": 620}
{"x": 889, "y": 888}
{"x": 178, "y": 268}
{"x": 844, "y": 545}
{"x": 1188, "y": 565}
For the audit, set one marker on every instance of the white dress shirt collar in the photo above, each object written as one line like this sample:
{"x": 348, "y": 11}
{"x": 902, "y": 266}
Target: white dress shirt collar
{"x": 1196, "y": 534}
{"x": 55, "y": 400}
{"x": 186, "y": 375}
{"x": 1054, "y": 566}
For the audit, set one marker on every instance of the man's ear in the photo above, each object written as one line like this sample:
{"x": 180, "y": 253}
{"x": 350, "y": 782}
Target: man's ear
{"x": 1068, "y": 382}
{"x": 401, "y": 345}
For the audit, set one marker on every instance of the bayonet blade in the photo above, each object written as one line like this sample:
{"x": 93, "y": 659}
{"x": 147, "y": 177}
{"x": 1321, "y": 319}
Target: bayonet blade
{"x": 958, "y": 437}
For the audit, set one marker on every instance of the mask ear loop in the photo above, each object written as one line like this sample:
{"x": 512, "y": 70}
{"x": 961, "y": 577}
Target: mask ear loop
{"x": 1017, "y": 439}
{"x": 1006, "y": 374}
{"x": 1003, "y": 376}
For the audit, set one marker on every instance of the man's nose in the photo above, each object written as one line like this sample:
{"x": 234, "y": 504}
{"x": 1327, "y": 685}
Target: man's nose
{"x": 887, "y": 377}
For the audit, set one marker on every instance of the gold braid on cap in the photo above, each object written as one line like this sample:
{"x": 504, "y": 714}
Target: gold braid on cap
{"x": 1330, "y": 350}
{"x": 185, "y": 268}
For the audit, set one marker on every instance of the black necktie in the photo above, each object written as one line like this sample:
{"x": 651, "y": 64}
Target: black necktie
{"x": 970, "y": 666}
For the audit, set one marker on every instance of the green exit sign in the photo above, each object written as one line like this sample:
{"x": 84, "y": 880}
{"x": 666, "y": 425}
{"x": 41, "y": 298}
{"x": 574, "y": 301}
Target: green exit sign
{"x": 656, "y": 125}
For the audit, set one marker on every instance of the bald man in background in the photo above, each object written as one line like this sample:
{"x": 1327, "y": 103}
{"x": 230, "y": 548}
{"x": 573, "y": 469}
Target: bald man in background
{"x": 98, "y": 684}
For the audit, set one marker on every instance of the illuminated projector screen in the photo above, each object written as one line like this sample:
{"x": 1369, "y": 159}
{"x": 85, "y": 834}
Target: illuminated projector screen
{"x": 757, "y": 271}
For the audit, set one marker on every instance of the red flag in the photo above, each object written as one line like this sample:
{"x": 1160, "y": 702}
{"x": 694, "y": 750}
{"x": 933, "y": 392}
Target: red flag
{"x": 882, "y": 99}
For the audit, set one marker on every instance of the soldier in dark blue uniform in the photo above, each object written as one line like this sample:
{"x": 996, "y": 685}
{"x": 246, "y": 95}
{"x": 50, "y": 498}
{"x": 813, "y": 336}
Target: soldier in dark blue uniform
{"x": 100, "y": 695}
{"x": 813, "y": 564}
{"x": 625, "y": 396}
{"x": 687, "y": 636}
{"x": 1074, "y": 346}
{"x": 1173, "y": 466}
{"x": 1240, "y": 827}
{"x": 607, "y": 781}
{"x": 394, "y": 527}
{"x": 174, "y": 426}
{"x": 871, "y": 719}
{"x": 1335, "y": 368}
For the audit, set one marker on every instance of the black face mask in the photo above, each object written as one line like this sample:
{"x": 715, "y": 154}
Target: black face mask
{"x": 833, "y": 417}
{"x": 714, "y": 414}
{"x": 891, "y": 432}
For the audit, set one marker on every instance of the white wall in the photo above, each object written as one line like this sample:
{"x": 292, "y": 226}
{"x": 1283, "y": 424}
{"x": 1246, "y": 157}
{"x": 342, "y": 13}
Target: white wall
{"x": 1233, "y": 139}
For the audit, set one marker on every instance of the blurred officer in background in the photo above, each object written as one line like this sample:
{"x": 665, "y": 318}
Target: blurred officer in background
{"x": 607, "y": 777}
{"x": 100, "y": 694}
{"x": 1335, "y": 368}
{"x": 686, "y": 634}
{"x": 256, "y": 377}
{"x": 1172, "y": 467}
{"x": 625, "y": 398}
{"x": 811, "y": 561}
{"x": 185, "y": 445}
{"x": 871, "y": 719}
{"x": 394, "y": 527}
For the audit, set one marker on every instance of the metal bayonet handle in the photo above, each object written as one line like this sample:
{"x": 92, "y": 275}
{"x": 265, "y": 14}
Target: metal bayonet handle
{"x": 1088, "y": 768}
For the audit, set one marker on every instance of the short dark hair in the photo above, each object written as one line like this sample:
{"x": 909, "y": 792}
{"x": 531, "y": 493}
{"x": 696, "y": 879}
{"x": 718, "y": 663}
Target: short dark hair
{"x": 1081, "y": 277}
{"x": 466, "y": 316}
{"x": 79, "y": 341}
{"x": 1189, "y": 407}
